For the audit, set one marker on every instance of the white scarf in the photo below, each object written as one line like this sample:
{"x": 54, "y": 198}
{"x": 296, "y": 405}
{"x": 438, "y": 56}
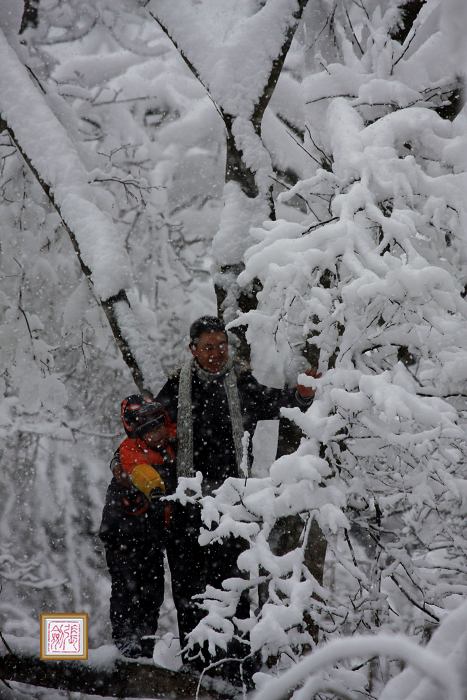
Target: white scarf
{"x": 185, "y": 413}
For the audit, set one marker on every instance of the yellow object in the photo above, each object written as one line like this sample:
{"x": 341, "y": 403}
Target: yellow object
{"x": 147, "y": 479}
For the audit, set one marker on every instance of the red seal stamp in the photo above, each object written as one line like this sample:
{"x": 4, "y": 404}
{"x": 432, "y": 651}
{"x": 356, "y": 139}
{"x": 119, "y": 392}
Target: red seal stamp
{"x": 64, "y": 636}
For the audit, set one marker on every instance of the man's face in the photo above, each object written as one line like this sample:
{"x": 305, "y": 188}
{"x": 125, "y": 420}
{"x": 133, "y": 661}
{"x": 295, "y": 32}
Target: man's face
{"x": 211, "y": 350}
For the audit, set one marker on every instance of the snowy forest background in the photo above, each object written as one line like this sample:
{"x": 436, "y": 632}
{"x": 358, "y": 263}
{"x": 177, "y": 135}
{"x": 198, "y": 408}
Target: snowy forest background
{"x": 336, "y": 235}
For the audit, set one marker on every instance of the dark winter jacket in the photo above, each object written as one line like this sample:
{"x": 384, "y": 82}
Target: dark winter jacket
{"x": 213, "y": 445}
{"x": 128, "y": 515}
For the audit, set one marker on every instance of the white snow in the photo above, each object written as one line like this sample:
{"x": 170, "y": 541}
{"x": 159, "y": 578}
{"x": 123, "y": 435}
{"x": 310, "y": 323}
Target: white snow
{"x": 441, "y": 673}
{"x": 53, "y": 155}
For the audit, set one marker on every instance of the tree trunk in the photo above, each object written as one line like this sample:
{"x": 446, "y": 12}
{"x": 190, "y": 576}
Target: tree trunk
{"x": 30, "y": 16}
{"x": 238, "y": 172}
{"x": 123, "y": 679}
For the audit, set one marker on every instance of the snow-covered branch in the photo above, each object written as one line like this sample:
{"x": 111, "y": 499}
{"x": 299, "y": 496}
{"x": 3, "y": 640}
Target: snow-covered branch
{"x": 52, "y": 157}
{"x": 439, "y": 672}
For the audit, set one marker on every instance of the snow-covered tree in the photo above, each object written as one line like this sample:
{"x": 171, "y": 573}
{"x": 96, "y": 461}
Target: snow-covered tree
{"x": 371, "y": 283}
{"x": 237, "y": 52}
{"x": 89, "y": 134}
{"x": 342, "y": 120}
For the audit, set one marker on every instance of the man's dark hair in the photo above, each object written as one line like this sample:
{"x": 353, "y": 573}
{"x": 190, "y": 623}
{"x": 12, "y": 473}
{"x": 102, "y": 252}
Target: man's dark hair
{"x": 206, "y": 324}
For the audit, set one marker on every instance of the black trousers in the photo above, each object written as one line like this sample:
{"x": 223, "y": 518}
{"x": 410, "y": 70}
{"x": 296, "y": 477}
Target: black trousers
{"x": 136, "y": 567}
{"x": 192, "y": 568}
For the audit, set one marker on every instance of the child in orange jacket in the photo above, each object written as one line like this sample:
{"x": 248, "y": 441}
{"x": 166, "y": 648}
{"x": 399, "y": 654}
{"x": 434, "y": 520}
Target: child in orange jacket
{"x": 146, "y": 459}
{"x": 134, "y": 521}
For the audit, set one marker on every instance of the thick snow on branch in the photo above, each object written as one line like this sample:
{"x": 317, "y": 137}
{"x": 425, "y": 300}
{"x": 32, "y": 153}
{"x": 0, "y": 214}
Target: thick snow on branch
{"x": 368, "y": 283}
{"x": 249, "y": 510}
{"x": 441, "y": 673}
{"x": 53, "y": 155}
{"x": 453, "y": 23}
{"x": 449, "y": 643}
{"x": 230, "y": 45}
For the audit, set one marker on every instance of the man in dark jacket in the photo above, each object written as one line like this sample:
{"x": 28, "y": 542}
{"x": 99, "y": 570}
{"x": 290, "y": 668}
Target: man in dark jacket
{"x": 213, "y": 403}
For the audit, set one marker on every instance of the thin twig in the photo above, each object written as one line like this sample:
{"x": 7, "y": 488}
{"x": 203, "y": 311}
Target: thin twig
{"x": 352, "y": 29}
{"x": 411, "y": 600}
{"x": 329, "y": 97}
{"x": 414, "y": 33}
{"x": 323, "y": 153}
{"x": 320, "y": 223}
{"x": 304, "y": 149}
{"x": 287, "y": 187}
{"x": 9, "y": 649}
{"x": 185, "y": 58}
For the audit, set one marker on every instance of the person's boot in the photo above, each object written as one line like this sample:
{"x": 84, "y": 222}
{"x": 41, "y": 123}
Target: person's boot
{"x": 147, "y": 647}
{"x": 130, "y": 647}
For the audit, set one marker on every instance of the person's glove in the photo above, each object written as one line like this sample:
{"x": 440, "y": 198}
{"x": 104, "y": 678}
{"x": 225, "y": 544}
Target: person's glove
{"x": 306, "y": 393}
{"x": 155, "y": 494}
{"x": 148, "y": 480}
{"x": 121, "y": 476}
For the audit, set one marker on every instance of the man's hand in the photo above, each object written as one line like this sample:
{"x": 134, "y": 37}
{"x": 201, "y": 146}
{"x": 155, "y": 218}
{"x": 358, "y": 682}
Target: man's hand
{"x": 120, "y": 475}
{"x": 156, "y": 494}
{"x": 307, "y": 392}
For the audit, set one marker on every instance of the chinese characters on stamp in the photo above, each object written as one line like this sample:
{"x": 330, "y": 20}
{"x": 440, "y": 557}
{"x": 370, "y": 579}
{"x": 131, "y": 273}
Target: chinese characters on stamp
{"x": 64, "y": 636}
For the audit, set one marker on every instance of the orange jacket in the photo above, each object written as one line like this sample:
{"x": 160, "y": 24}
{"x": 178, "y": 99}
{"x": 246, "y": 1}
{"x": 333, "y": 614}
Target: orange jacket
{"x": 139, "y": 464}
